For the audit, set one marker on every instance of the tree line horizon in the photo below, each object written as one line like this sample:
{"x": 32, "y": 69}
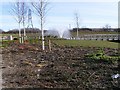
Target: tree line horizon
{"x": 34, "y": 30}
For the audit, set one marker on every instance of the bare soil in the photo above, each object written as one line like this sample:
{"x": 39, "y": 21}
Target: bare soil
{"x": 27, "y": 66}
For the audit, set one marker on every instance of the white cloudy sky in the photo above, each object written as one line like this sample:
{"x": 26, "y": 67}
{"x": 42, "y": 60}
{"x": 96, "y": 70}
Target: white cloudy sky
{"x": 92, "y": 14}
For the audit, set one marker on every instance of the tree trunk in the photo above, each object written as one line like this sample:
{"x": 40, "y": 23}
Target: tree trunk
{"x": 20, "y": 40}
{"x": 43, "y": 41}
{"x": 24, "y": 30}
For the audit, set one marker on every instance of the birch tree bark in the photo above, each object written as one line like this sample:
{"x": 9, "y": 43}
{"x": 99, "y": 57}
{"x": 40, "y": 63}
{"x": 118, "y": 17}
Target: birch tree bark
{"x": 41, "y": 10}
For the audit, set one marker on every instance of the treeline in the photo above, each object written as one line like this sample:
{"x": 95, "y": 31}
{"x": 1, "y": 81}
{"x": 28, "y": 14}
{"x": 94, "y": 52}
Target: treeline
{"x": 1, "y": 31}
{"x": 96, "y": 29}
{"x": 28, "y": 30}
{"x": 36, "y": 30}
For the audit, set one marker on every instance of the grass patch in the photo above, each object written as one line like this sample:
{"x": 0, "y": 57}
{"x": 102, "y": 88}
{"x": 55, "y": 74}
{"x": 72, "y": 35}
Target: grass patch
{"x": 87, "y": 43}
{"x": 14, "y": 35}
{"x": 100, "y": 55}
{"x": 62, "y": 42}
{"x": 6, "y": 43}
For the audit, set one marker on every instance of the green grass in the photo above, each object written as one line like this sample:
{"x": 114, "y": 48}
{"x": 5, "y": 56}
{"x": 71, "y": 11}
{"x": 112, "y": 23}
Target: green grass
{"x": 5, "y": 43}
{"x": 83, "y": 43}
{"x": 87, "y": 43}
{"x": 14, "y": 35}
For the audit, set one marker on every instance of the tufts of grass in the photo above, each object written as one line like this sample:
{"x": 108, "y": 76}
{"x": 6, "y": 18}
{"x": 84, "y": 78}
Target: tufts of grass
{"x": 6, "y": 43}
{"x": 100, "y": 55}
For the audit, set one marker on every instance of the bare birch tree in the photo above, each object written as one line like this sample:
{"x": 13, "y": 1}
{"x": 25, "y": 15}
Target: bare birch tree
{"x": 16, "y": 9}
{"x": 77, "y": 22}
{"x": 24, "y": 15}
{"x": 41, "y": 10}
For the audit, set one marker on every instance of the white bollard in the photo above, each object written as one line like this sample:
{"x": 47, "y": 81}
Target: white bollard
{"x": 11, "y": 38}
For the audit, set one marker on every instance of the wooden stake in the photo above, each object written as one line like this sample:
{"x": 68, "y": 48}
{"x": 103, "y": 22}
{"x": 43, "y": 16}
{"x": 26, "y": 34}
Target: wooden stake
{"x": 49, "y": 45}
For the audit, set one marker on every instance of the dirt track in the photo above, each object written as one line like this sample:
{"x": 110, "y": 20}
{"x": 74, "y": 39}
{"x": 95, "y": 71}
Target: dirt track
{"x": 27, "y": 66}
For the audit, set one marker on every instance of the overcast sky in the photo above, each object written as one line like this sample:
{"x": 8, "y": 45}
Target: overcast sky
{"x": 92, "y": 14}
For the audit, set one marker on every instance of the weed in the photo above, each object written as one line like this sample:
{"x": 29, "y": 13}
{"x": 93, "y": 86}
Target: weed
{"x": 100, "y": 55}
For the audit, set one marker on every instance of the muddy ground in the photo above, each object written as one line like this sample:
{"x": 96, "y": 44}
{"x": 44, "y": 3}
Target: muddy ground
{"x": 27, "y": 66}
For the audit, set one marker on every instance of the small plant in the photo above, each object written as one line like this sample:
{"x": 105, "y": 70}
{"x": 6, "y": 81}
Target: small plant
{"x": 6, "y": 43}
{"x": 100, "y": 55}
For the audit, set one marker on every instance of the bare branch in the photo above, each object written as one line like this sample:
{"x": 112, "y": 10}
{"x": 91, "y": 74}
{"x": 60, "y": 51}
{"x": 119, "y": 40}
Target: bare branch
{"x": 16, "y": 10}
{"x": 40, "y": 8}
{"x": 20, "y": 11}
